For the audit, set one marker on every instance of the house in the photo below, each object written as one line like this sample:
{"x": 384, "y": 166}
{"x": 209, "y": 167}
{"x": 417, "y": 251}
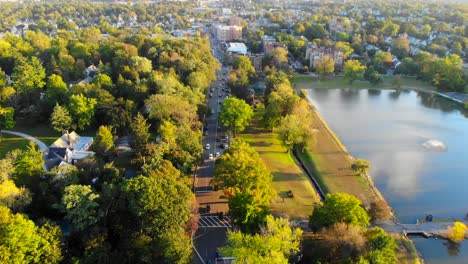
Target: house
{"x": 68, "y": 149}
{"x": 91, "y": 71}
{"x": 270, "y": 43}
{"x": 227, "y": 33}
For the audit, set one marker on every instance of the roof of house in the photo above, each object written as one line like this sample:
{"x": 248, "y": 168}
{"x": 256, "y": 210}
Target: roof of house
{"x": 74, "y": 141}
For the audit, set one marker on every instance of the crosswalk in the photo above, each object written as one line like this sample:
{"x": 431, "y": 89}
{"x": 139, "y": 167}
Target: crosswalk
{"x": 214, "y": 222}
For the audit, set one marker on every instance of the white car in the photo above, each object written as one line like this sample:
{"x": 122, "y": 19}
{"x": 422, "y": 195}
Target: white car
{"x": 207, "y": 146}
{"x": 210, "y": 156}
{"x": 217, "y": 154}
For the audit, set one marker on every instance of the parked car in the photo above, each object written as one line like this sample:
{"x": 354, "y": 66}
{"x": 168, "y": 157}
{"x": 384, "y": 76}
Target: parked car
{"x": 217, "y": 154}
{"x": 210, "y": 156}
{"x": 207, "y": 146}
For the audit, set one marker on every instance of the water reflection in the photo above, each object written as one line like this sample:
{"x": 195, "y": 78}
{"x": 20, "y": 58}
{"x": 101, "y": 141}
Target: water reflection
{"x": 394, "y": 95}
{"x": 350, "y": 96}
{"x": 453, "y": 249}
{"x": 374, "y": 92}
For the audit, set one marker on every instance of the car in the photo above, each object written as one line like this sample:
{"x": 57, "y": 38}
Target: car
{"x": 211, "y": 95}
{"x": 207, "y": 146}
{"x": 205, "y": 132}
{"x": 226, "y": 137}
{"x": 220, "y": 95}
{"x": 217, "y": 154}
{"x": 212, "y": 111}
{"x": 226, "y": 146}
{"x": 210, "y": 156}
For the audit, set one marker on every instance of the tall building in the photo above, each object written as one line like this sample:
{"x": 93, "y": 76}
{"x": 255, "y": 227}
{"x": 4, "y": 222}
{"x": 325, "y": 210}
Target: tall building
{"x": 228, "y": 33}
{"x": 235, "y": 21}
{"x": 315, "y": 54}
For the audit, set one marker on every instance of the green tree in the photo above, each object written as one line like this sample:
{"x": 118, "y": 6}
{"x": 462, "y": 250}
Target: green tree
{"x": 243, "y": 175}
{"x": 360, "y": 167}
{"x": 235, "y": 114}
{"x": 28, "y": 165}
{"x": 160, "y": 206}
{"x": 380, "y": 246}
{"x": 28, "y": 76}
{"x": 295, "y": 130}
{"x": 281, "y": 102}
{"x": 243, "y": 63}
{"x": 325, "y": 66}
{"x": 60, "y": 118}
{"x": 80, "y": 207}
{"x": 339, "y": 207}
{"x": 82, "y": 110}
{"x": 140, "y": 131}
{"x": 103, "y": 141}
{"x": 456, "y": 233}
{"x": 276, "y": 242}
{"x": 353, "y": 70}
{"x": 7, "y": 120}
{"x": 56, "y": 90}
{"x": 23, "y": 242}
{"x": 104, "y": 81}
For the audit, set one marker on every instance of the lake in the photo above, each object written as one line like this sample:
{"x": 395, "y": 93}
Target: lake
{"x": 417, "y": 144}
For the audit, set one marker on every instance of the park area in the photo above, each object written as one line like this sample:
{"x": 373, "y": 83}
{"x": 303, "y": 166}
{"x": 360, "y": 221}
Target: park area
{"x": 287, "y": 176}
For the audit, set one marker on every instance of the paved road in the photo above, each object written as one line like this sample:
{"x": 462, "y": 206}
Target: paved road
{"x": 211, "y": 234}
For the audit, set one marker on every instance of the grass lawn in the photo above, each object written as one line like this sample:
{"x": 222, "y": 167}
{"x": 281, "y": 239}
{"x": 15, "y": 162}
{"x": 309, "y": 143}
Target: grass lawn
{"x": 286, "y": 174}
{"x": 11, "y": 142}
{"x": 42, "y": 131}
{"x": 406, "y": 252}
{"x": 307, "y": 81}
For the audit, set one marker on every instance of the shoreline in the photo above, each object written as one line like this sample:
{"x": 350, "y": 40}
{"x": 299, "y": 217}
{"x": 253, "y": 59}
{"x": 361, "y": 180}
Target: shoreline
{"x": 369, "y": 182}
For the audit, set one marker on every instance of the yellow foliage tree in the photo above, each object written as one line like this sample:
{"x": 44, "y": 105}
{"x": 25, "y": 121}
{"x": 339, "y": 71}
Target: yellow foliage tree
{"x": 456, "y": 233}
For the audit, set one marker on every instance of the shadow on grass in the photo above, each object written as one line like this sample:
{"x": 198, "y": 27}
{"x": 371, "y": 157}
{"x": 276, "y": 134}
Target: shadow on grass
{"x": 288, "y": 177}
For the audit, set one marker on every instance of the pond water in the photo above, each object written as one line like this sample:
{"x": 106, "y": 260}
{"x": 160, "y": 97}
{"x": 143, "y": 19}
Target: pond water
{"x": 417, "y": 144}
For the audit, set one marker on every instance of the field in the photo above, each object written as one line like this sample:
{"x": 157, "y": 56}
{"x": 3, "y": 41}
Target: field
{"x": 287, "y": 175}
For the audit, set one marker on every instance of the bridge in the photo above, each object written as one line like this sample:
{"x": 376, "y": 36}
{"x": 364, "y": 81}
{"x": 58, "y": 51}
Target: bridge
{"x": 437, "y": 228}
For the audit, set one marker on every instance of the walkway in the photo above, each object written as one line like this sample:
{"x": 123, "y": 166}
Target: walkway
{"x": 42, "y": 146}
{"x": 425, "y": 228}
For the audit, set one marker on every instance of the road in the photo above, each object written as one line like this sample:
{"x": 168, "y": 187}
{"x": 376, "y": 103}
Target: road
{"x": 208, "y": 239}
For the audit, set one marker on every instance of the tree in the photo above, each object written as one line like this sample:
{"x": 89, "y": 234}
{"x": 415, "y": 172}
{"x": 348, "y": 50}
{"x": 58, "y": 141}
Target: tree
{"x": 295, "y": 130}
{"x": 81, "y": 109}
{"x": 400, "y": 47}
{"x": 281, "y": 102}
{"x": 235, "y": 114}
{"x": 28, "y": 165}
{"x": 140, "y": 131}
{"x": 56, "y": 90}
{"x": 80, "y": 207}
{"x": 456, "y": 233}
{"x": 325, "y": 66}
{"x": 7, "y": 120}
{"x": 141, "y": 64}
{"x": 60, "y": 118}
{"x": 345, "y": 48}
{"x": 337, "y": 208}
{"x": 353, "y": 70}
{"x": 28, "y": 76}
{"x": 360, "y": 167}
{"x": 343, "y": 241}
{"x": 380, "y": 246}
{"x": 103, "y": 142}
{"x": 247, "y": 182}
{"x": 276, "y": 242}
{"x": 24, "y": 242}
{"x": 159, "y": 205}
{"x": 243, "y": 63}
{"x": 373, "y": 76}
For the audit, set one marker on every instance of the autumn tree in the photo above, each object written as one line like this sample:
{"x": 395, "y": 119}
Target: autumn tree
{"x": 235, "y": 114}
{"x": 343, "y": 241}
{"x": 275, "y": 243}
{"x": 339, "y": 207}
{"x": 400, "y": 47}
{"x": 353, "y": 70}
{"x": 325, "y": 66}
{"x": 456, "y": 233}
{"x": 60, "y": 118}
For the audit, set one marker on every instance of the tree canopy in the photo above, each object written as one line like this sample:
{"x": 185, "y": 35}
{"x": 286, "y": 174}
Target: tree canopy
{"x": 235, "y": 114}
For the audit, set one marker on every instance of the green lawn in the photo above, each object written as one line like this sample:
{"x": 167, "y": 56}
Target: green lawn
{"x": 307, "y": 81}
{"x": 287, "y": 175}
{"x": 11, "y": 142}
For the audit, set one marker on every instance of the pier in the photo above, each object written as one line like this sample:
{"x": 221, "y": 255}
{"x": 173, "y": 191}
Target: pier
{"x": 438, "y": 228}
